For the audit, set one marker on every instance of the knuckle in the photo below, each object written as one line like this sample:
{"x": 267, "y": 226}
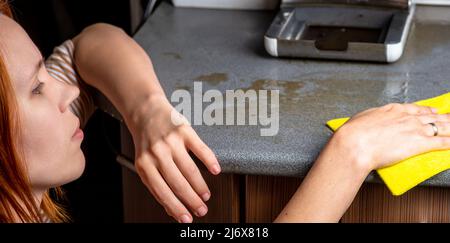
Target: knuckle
{"x": 410, "y": 120}
{"x": 175, "y": 211}
{"x": 184, "y": 127}
{"x": 172, "y": 139}
{"x": 428, "y": 109}
{"x": 185, "y": 131}
{"x": 394, "y": 106}
{"x": 192, "y": 170}
{"x": 161, "y": 196}
{"x": 414, "y": 120}
{"x": 139, "y": 167}
{"x": 386, "y": 107}
{"x": 142, "y": 167}
{"x": 203, "y": 147}
{"x": 433, "y": 117}
{"x": 160, "y": 149}
{"x": 169, "y": 212}
{"x": 405, "y": 121}
{"x": 422, "y": 109}
{"x": 178, "y": 187}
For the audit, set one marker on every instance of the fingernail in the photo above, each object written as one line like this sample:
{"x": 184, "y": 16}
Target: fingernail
{"x": 201, "y": 211}
{"x": 206, "y": 196}
{"x": 216, "y": 169}
{"x": 185, "y": 219}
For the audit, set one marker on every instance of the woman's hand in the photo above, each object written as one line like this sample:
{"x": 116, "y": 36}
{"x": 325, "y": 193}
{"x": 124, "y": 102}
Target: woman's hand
{"x": 163, "y": 163}
{"x": 127, "y": 78}
{"x": 370, "y": 140}
{"x": 381, "y": 136}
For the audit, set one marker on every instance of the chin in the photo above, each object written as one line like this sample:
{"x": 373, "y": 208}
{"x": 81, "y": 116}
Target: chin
{"x": 71, "y": 169}
{"x": 74, "y": 171}
{"x": 78, "y": 168}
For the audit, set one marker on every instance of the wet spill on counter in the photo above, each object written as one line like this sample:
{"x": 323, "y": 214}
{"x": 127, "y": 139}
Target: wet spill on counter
{"x": 212, "y": 78}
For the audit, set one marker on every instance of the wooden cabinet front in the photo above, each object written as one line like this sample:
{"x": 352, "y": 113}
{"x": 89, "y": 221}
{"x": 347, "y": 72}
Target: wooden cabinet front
{"x": 259, "y": 199}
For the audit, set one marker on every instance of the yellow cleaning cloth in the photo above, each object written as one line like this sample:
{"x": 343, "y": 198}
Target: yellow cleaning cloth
{"x": 408, "y": 173}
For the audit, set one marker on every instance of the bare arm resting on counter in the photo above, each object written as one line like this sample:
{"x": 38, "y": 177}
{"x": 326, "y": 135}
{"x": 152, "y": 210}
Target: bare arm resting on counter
{"x": 109, "y": 60}
{"x": 112, "y": 62}
{"x": 372, "y": 139}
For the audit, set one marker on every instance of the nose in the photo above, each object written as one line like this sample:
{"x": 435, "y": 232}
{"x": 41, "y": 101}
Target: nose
{"x": 69, "y": 94}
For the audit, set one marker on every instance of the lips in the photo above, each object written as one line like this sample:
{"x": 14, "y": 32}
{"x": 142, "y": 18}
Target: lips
{"x": 78, "y": 133}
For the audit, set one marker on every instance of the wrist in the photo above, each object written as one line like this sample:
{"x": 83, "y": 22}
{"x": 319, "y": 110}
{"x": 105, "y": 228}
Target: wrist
{"x": 351, "y": 148}
{"x": 141, "y": 111}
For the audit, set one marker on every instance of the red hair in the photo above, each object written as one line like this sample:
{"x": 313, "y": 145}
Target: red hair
{"x": 17, "y": 203}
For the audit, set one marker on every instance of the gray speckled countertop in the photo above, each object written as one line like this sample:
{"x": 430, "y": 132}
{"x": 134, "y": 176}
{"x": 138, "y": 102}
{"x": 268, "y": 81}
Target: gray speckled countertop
{"x": 225, "y": 50}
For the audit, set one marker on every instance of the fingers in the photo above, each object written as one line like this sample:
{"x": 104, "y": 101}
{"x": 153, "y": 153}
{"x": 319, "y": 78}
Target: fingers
{"x": 190, "y": 170}
{"x": 411, "y": 109}
{"x": 414, "y": 109}
{"x": 425, "y": 119}
{"x": 177, "y": 182}
{"x": 145, "y": 166}
{"x": 203, "y": 152}
{"x": 443, "y": 129}
{"x": 438, "y": 143}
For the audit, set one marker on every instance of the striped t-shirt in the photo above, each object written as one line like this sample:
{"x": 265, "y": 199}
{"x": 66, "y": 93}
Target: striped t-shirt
{"x": 62, "y": 67}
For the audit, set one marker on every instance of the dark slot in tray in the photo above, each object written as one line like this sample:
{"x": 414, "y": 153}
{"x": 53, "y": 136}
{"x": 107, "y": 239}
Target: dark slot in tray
{"x": 337, "y": 38}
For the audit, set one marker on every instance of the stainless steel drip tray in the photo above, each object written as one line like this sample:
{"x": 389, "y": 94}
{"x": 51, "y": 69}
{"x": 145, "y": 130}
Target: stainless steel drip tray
{"x": 340, "y": 32}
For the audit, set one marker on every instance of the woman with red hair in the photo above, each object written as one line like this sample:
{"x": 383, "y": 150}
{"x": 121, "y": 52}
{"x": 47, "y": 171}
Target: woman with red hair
{"x": 43, "y": 103}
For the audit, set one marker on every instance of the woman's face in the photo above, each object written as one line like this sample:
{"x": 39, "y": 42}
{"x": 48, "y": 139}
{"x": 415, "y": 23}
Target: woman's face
{"x": 50, "y": 143}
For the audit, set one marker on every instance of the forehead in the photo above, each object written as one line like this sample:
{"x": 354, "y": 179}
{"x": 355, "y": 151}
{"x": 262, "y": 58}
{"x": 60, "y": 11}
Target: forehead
{"x": 18, "y": 51}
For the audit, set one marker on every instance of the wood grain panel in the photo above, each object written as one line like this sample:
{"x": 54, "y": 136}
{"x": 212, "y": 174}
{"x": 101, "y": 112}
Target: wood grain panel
{"x": 375, "y": 204}
{"x": 266, "y": 196}
{"x": 140, "y": 206}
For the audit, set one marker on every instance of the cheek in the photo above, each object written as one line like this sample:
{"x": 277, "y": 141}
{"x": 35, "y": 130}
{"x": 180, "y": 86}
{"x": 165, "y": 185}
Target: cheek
{"x": 43, "y": 136}
{"x": 52, "y": 158}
